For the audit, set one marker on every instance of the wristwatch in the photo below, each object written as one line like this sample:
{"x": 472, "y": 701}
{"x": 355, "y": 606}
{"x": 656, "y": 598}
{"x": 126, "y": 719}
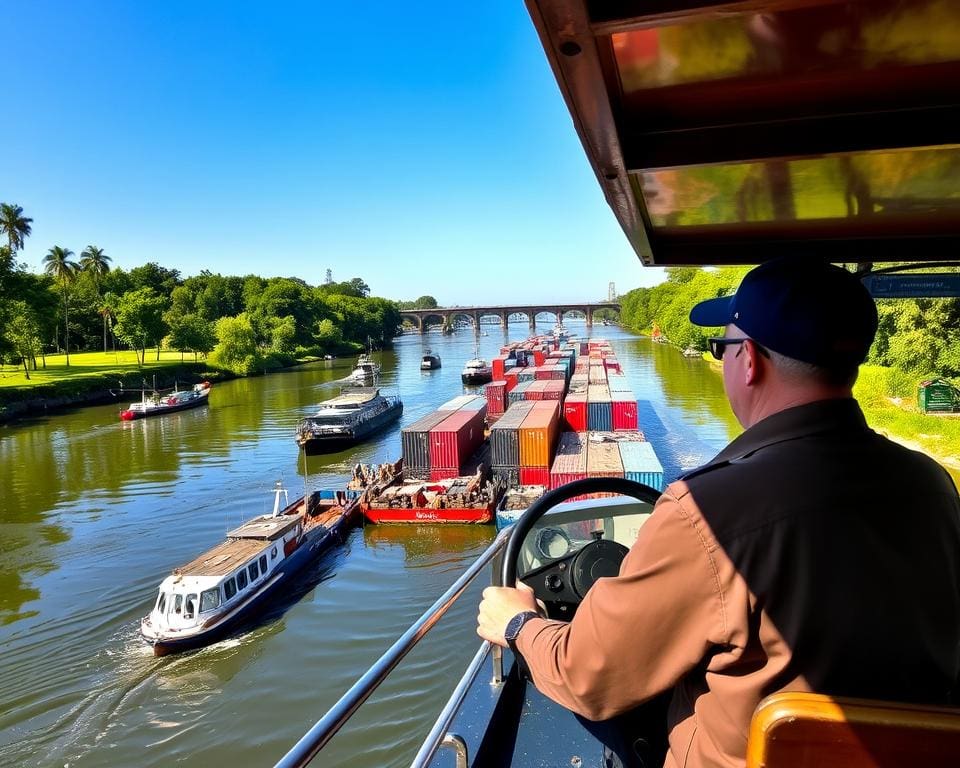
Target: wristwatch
{"x": 515, "y": 625}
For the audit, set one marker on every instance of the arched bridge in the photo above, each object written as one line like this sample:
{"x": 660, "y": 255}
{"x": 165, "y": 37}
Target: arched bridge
{"x": 449, "y": 315}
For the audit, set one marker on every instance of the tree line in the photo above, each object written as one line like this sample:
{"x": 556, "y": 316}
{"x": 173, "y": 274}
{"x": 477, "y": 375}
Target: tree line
{"x": 242, "y": 324}
{"x": 920, "y": 337}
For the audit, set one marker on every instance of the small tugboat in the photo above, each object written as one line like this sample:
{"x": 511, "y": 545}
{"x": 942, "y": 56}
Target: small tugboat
{"x": 157, "y": 403}
{"x": 347, "y": 419}
{"x": 395, "y": 499}
{"x": 365, "y": 369}
{"x": 429, "y": 361}
{"x": 201, "y": 601}
{"x": 477, "y": 371}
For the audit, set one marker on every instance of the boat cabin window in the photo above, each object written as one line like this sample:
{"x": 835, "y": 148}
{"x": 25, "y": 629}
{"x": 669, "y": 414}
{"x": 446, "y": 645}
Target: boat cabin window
{"x": 190, "y": 608}
{"x": 178, "y": 603}
{"x": 241, "y": 581}
{"x": 209, "y": 599}
{"x": 273, "y": 553}
{"x": 162, "y": 603}
{"x": 229, "y": 589}
{"x": 263, "y": 563}
{"x": 254, "y": 571}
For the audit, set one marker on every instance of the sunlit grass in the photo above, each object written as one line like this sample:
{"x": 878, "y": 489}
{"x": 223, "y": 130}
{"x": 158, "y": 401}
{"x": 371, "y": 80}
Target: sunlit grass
{"x": 87, "y": 365}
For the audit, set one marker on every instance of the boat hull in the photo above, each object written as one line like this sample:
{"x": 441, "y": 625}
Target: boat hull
{"x": 476, "y": 378}
{"x": 470, "y": 515}
{"x": 318, "y": 444}
{"x": 316, "y": 541}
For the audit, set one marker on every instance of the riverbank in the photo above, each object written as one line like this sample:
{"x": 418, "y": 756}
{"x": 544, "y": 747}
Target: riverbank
{"x": 96, "y": 378}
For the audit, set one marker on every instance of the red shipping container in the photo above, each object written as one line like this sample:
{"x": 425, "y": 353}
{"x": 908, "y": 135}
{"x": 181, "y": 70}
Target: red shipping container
{"x": 510, "y": 377}
{"x": 624, "y": 415}
{"x": 535, "y": 390}
{"x": 575, "y": 412}
{"x": 455, "y": 439}
{"x": 443, "y": 474}
{"x": 535, "y": 476}
{"x": 538, "y": 357}
{"x": 497, "y": 367}
{"x": 554, "y": 390}
{"x": 496, "y": 392}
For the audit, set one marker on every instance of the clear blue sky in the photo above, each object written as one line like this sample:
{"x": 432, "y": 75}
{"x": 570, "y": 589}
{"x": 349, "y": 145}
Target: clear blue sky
{"x": 422, "y": 146}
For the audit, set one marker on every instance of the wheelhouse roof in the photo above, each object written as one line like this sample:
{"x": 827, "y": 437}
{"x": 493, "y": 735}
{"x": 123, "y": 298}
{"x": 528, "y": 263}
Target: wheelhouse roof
{"x": 733, "y": 132}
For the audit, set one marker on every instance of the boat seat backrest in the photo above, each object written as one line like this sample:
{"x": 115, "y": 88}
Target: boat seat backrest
{"x": 809, "y": 730}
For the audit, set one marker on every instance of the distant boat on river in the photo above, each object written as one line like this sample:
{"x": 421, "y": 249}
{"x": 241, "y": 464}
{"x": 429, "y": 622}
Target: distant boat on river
{"x": 429, "y": 361}
{"x": 200, "y": 602}
{"x": 351, "y": 417}
{"x": 157, "y": 403}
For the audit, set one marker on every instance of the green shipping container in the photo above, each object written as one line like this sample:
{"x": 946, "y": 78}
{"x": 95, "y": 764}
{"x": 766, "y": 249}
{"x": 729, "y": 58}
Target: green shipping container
{"x": 936, "y": 395}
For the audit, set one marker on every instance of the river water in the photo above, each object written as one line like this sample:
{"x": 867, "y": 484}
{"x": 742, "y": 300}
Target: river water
{"x": 94, "y": 512}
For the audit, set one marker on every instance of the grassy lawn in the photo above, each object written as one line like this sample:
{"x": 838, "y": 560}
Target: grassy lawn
{"x": 92, "y": 365}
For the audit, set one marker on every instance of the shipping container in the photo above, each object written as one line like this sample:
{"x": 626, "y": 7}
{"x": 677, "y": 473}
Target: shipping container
{"x": 497, "y": 366}
{"x": 575, "y": 412}
{"x": 454, "y": 439}
{"x": 599, "y": 409}
{"x": 415, "y": 440}
{"x": 527, "y": 374}
{"x": 554, "y": 390}
{"x": 534, "y": 390}
{"x": 518, "y": 393}
{"x": 640, "y": 464}
{"x": 535, "y": 476}
{"x": 617, "y": 382}
{"x": 475, "y": 403}
{"x": 624, "y": 412}
{"x": 510, "y": 376}
{"x": 504, "y": 437}
{"x": 603, "y": 457}
{"x": 538, "y": 434}
{"x": 496, "y": 394}
{"x": 457, "y": 403}
{"x": 443, "y": 474}
{"x": 570, "y": 463}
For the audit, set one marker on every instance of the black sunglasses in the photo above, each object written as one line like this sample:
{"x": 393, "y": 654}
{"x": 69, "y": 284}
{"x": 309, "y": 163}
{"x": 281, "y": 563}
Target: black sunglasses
{"x": 717, "y": 346}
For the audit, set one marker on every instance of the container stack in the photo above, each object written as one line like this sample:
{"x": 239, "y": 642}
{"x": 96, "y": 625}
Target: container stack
{"x": 606, "y": 454}
{"x": 440, "y": 444}
{"x": 538, "y": 437}
{"x": 496, "y": 395}
{"x": 505, "y": 443}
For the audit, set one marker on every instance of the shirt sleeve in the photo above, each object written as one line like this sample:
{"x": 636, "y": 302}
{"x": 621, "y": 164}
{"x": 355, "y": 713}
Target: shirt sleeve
{"x": 634, "y": 635}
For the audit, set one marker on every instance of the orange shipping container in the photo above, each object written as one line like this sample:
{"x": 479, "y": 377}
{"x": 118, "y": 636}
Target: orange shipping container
{"x": 538, "y": 434}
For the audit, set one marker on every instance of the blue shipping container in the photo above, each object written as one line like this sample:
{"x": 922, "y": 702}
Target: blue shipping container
{"x": 640, "y": 464}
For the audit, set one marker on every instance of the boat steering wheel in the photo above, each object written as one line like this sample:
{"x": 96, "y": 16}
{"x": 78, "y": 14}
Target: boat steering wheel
{"x": 564, "y": 582}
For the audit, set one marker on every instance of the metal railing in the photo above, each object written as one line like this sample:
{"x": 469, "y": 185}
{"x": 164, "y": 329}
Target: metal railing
{"x": 327, "y": 726}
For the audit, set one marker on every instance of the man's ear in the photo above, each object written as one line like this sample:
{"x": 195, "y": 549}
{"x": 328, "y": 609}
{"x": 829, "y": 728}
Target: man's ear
{"x": 753, "y": 370}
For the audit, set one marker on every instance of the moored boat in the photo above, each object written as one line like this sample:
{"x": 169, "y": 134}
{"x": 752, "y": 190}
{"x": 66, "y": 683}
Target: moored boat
{"x": 476, "y": 371}
{"x": 366, "y": 369}
{"x": 354, "y": 415}
{"x": 157, "y": 403}
{"x": 200, "y": 602}
{"x": 429, "y": 361}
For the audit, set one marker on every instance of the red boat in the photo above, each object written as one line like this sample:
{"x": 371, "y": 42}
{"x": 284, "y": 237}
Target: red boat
{"x": 399, "y": 499}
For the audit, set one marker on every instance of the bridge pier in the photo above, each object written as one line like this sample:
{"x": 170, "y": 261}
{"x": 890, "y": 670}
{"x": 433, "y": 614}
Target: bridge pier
{"x": 589, "y": 319}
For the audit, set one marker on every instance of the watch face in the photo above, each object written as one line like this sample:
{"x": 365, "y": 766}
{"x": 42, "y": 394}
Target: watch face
{"x": 516, "y": 624}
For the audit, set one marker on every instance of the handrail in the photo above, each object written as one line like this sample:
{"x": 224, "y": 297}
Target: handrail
{"x": 327, "y": 726}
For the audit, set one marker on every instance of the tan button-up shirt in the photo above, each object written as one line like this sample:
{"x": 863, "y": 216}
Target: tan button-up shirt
{"x": 810, "y": 554}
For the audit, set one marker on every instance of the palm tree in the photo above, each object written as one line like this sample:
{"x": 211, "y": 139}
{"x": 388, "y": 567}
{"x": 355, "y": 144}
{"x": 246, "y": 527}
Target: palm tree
{"x": 97, "y": 263}
{"x": 14, "y": 225}
{"x": 57, "y": 264}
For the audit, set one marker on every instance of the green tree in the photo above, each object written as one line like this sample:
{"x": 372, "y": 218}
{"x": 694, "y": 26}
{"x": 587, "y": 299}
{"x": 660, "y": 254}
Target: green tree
{"x": 191, "y": 333}
{"x": 57, "y": 264}
{"x": 23, "y": 332}
{"x": 96, "y": 263}
{"x": 236, "y": 348}
{"x": 425, "y": 302}
{"x": 152, "y": 275}
{"x": 329, "y": 336}
{"x": 283, "y": 335}
{"x": 15, "y": 226}
{"x": 140, "y": 320}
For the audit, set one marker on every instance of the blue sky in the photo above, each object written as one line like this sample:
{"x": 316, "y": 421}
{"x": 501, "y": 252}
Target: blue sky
{"x": 424, "y": 147}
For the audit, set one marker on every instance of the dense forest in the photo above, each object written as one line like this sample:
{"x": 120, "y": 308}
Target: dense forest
{"x": 242, "y": 324}
{"x": 916, "y": 336}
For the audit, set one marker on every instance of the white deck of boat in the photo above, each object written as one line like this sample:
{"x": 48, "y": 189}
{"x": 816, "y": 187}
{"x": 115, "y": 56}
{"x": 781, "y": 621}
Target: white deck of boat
{"x": 266, "y": 527}
{"x": 355, "y": 397}
{"x": 225, "y": 557}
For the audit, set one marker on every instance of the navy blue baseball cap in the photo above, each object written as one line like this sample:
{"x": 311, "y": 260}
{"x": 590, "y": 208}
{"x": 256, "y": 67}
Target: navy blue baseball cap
{"x": 803, "y": 308}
